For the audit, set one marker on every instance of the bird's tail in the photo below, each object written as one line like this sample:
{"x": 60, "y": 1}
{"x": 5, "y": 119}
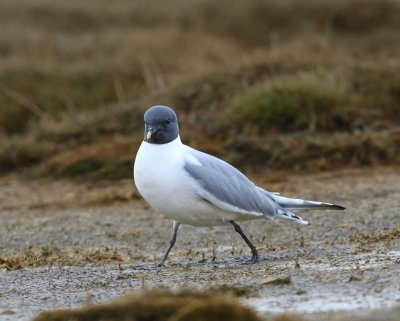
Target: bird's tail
{"x": 296, "y": 203}
{"x": 284, "y": 214}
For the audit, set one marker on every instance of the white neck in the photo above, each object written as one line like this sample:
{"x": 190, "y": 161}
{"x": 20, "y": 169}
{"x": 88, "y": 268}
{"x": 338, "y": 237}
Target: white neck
{"x": 158, "y": 151}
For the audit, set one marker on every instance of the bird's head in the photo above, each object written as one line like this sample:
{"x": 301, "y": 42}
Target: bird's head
{"x": 160, "y": 125}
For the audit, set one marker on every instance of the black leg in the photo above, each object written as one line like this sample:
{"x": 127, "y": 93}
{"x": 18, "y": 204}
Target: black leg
{"x": 254, "y": 257}
{"x": 171, "y": 243}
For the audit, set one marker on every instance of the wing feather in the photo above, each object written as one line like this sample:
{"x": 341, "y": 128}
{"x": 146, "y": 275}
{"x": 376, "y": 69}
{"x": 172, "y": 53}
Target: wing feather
{"x": 226, "y": 187}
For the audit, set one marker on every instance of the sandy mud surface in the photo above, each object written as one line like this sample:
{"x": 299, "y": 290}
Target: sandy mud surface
{"x": 66, "y": 244}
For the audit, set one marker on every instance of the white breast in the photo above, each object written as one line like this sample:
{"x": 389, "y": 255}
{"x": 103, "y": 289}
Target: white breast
{"x": 162, "y": 181}
{"x": 156, "y": 171}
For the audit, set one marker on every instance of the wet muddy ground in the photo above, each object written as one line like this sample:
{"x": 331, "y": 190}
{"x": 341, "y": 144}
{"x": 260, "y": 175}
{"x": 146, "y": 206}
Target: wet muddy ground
{"x": 66, "y": 244}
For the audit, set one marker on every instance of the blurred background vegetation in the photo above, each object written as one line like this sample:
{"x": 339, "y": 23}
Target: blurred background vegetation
{"x": 267, "y": 85}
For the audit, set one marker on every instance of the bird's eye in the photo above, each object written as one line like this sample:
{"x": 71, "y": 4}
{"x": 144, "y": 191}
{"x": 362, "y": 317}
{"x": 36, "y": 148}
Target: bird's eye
{"x": 168, "y": 121}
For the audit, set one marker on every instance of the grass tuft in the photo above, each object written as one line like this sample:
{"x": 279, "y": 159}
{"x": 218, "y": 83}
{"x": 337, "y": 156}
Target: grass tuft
{"x": 293, "y": 104}
{"x": 159, "y": 306}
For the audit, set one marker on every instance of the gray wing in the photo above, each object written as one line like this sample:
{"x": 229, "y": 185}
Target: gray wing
{"x": 227, "y": 188}
{"x": 297, "y": 203}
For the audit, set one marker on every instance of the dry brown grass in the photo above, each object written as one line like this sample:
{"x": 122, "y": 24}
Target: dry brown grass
{"x": 193, "y": 306}
{"x": 78, "y": 74}
{"x": 159, "y": 306}
{"x": 41, "y": 256}
{"x": 380, "y": 236}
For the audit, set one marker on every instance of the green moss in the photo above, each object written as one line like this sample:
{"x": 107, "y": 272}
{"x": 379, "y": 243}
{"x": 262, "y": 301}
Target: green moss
{"x": 84, "y": 166}
{"x": 294, "y": 104}
{"x": 114, "y": 169}
{"x": 96, "y": 167}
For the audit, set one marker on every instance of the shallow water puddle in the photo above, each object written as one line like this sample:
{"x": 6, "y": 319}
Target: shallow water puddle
{"x": 326, "y": 303}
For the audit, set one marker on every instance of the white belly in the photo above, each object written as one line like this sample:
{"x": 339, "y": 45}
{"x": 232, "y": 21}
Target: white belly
{"x": 162, "y": 181}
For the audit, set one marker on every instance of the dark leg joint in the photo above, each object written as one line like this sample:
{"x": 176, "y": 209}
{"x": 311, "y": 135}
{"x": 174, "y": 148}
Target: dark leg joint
{"x": 238, "y": 229}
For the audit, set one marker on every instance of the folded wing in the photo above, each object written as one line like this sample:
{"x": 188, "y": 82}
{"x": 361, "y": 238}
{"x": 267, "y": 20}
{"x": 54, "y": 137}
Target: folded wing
{"x": 227, "y": 188}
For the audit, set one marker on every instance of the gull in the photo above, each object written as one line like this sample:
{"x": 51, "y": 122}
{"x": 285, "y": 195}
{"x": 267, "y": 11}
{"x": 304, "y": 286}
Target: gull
{"x": 195, "y": 188}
